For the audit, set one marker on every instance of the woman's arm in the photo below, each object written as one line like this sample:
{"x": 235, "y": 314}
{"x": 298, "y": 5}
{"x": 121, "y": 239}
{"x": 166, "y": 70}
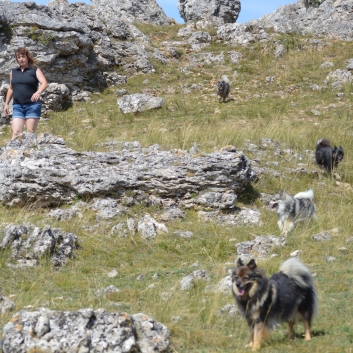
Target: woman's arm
{"x": 9, "y": 95}
{"x": 43, "y": 85}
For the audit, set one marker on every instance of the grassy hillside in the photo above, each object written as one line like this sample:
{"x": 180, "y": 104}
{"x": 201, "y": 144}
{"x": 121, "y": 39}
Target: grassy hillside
{"x": 283, "y": 108}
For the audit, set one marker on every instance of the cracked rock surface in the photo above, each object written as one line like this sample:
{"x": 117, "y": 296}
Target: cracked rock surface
{"x": 85, "y": 330}
{"x": 41, "y": 169}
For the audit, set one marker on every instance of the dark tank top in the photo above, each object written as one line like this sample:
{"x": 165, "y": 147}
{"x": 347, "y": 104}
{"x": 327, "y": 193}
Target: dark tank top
{"x": 24, "y": 84}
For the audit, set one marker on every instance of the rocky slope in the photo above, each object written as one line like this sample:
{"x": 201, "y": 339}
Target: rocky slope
{"x": 84, "y": 46}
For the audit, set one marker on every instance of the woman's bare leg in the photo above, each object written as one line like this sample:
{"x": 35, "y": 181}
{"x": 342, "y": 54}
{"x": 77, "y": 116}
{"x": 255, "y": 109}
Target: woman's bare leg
{"x": 17, "y": 126}
{"x": 32, "y": 124}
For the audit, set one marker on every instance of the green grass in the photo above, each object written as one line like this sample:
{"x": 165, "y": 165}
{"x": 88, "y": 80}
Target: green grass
{"x": 282, "y": 111}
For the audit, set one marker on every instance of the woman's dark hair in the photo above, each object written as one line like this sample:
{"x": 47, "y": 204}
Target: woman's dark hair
{"x": 24, "y": 51}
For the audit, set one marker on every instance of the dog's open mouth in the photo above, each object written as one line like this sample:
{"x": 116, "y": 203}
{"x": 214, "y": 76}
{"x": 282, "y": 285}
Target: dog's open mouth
{"x": 242, "y": 290}
{"x": 273, "y": 205}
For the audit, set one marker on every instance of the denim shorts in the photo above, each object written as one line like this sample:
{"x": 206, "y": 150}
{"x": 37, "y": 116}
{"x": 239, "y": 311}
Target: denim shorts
{"x": 26, "y": 111}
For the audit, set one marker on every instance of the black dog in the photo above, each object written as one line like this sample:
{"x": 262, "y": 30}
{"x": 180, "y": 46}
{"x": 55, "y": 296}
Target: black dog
{"x": 288, "y": 296}
{"x": 327, "y": 156}
{"x": 223, "y": 87}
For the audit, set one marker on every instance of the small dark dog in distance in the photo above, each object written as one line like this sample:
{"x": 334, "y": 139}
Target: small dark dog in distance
{"x": 288, "y": 296}
{"x": 223, "y": 88}
{"x": 326, "y": 156}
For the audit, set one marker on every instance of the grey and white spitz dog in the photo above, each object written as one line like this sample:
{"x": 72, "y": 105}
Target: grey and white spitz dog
{"x": 288, "y": 296}
{"x": 293, "y": 209}
{"x": 223, "y": 87}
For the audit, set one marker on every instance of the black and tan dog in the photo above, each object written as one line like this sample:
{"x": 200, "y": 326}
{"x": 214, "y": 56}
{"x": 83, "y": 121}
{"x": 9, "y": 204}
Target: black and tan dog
{"x": 223, "y": 88}
{"x": 288, "y": 296}
{"x": 326, "y": 156}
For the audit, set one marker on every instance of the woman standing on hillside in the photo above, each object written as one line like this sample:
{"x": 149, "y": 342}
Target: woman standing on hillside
{"x": 24, "y": 89}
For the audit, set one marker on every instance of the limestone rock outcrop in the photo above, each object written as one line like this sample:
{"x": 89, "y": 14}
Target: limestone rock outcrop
{"x": 209, "y": 12}
{"x": 85, "y": 330}
{"x": 145, "y": 11}
{"x": 42, "y": 169}
{"x": 30, "y": 243}
{"x": 259, "y": 248}
{"x": 139, "y": 102}
{"x": 330, "y": 19}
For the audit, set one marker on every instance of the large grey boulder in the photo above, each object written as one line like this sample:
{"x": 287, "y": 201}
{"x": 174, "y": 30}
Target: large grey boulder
{"x": 330, "y": 19}
{"x": 338, "y": 78}
{"x": 149, "y": 227}
{"x": 85, "y": 330}
{"x": 259, "y": 248}
{"x": 66, "y": 214}
{"x": 137, "y": 102}
{"x": 311, "y": 3}
{"x": 55, "y": 97}
{"x": 107, "y": 208}
{"x": 146, "y": 11}
{"x": 29, "y": 244}
{"x": 209, "y": 12}
{"x": 242, "y": 34}
{"x": 41, "y": 169}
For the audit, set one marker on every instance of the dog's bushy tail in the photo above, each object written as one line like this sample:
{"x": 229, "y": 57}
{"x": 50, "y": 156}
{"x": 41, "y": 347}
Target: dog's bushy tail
{"x": 324, "y": 142}
{"x": 300, "y": 274}
{"x": 225, "y": 79}
{"x": 308, "y": 194}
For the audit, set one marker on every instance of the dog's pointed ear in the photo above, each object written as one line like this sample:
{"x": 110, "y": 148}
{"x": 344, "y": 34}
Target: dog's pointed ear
{"x": 252, "y": 264}
{"x": 240, "y": 263}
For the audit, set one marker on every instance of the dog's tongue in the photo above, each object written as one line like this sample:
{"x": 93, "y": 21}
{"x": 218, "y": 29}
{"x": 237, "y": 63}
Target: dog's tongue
{"x": 241, "y": 291}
